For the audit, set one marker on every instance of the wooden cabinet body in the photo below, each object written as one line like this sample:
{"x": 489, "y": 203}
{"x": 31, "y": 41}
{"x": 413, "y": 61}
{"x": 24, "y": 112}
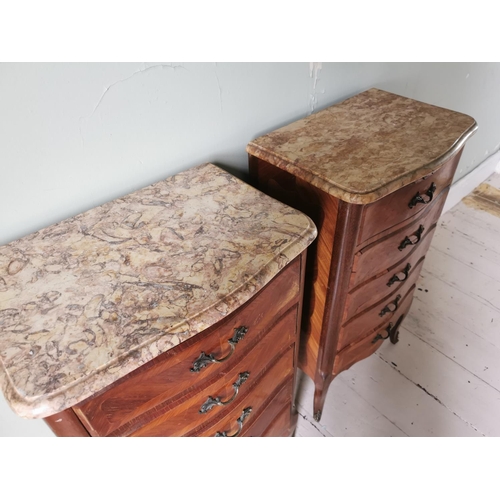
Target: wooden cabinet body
{"x": 171, "y": 396}
{"x": 363, "y": 267}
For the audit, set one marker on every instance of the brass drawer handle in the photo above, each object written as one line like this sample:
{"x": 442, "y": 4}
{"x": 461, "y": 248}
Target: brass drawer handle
{"x": 211, "y": 402}
{"x": 239, "y": 421}
{"x": 418, "y": 197}
{"x": 392, "y": 333}
{"x": 205, "y": 359}
{"x": 396, "y": 278}
{"x": 391, "y": 306}
{"x": 379, "y": 336}
{"x": 407, "y": 241}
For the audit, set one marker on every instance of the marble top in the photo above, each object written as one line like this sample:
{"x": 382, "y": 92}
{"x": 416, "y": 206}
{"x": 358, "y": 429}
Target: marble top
{"x": 92, "y": 298}
{"x": 367, "y": 146}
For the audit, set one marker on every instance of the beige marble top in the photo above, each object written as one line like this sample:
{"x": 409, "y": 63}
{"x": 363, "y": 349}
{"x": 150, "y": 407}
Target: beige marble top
{"x": 367, "y": 146}
{"x": 92, "y": 298}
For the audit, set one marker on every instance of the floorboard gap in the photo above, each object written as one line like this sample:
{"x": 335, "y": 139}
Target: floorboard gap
{"x": 446, "y": 356}
{"x": 431, "y": 395}
{"x": 311, "y": 423}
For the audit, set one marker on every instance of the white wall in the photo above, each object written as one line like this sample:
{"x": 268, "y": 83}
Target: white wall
{"x": 474, "y": 89}
{"x": 73, "y": 136}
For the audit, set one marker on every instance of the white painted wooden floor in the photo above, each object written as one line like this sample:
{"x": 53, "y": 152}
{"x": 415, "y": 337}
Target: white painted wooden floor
{"x": 443, "y": 377}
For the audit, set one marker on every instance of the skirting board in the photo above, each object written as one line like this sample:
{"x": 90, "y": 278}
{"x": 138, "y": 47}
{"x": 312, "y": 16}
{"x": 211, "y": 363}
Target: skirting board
{"x": 467, "y": 184}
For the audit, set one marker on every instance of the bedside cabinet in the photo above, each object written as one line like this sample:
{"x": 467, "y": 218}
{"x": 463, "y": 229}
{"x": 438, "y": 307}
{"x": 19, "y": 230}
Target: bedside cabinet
{"x": 373, "y": 173}
{"x": 173, "y": 311}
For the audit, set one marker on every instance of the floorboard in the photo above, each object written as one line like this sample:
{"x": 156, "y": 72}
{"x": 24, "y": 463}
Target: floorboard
{"x": 345, "y": 413}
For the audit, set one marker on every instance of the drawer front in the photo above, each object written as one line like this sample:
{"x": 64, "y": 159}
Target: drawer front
{"x": 275, "y": 419}
{"x": 362, "y": 297}
{"x": 368, "y": 345}
{"x": 280, "y": 375}
{"x": 385, "y": 253}
{"x": 378, "y": 314}
{"x": 282, "y": 425}
{"x": 406, "y": 202}
{"x": 185, "y": 416}
{"x": 169, "y": 377}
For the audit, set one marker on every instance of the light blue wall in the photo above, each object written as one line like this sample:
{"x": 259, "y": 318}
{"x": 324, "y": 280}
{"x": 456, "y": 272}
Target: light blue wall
{"x": 73, "y": 136}
{"x": 474, "y": 89}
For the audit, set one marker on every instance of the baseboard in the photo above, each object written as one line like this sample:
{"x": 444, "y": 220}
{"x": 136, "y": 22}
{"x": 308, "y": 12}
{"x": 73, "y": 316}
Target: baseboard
{"x": 470, "y": 182}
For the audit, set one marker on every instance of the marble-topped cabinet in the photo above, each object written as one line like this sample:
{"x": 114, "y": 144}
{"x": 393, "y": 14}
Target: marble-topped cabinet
{"x": 172, "y": 311}
{"x": 373, "y": 172}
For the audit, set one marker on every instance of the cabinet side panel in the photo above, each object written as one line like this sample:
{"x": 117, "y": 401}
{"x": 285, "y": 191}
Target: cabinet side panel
{"x": 346, "y": 233}
{"x": 322, "y": 209}
{"x": 66, "y": 424}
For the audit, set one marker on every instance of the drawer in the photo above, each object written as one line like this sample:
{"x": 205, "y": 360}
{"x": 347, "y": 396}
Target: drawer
{"x": 169, "y": 377}
{"x": 382, "y": 285}
{"x": 282, "y": 425}
{"x": 368, "y": 345}
{"x": 279, "y": 377}
{"x": 274, "y": 420}
{"x": 385, "y": 253}
{"x": 406, "y": 202}
{"x": 377, "y": 315}
{"x": 183, "y": 417}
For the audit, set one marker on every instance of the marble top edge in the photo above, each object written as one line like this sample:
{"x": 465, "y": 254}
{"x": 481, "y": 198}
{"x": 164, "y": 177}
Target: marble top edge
{"x": 307, "y": 147}
{"x": 267, "y": 236}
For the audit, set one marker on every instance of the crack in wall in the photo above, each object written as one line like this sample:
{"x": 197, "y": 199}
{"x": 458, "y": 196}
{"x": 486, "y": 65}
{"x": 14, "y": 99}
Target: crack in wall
{"x": 143, "y": 70}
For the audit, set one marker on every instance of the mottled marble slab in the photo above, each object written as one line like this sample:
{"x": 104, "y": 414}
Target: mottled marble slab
{"x": 367, "y": 146}
{"x": 92, "y": 298}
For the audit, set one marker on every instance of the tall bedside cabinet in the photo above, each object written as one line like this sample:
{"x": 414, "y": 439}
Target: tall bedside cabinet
{"x": 373, "y": 173}
{"x": 173, "y": 311}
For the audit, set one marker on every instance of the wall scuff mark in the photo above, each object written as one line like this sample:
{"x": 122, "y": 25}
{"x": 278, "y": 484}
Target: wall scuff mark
{"x": 80, "y": 123}
{"x": 219, "y": 87}
{"x": 314, "y": 69}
